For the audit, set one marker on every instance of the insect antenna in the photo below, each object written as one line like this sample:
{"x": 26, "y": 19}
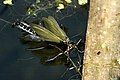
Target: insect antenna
{"x": 5, "y": 24}
{"x": 76, "y": 35}
{"x": 5, "y": 21}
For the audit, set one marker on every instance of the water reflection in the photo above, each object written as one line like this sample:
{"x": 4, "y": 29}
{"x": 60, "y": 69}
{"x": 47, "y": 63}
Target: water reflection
{"x": 11, "y": 49}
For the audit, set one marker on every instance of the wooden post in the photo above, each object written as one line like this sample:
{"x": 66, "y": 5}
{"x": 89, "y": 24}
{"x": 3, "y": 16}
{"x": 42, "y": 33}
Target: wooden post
{"x": 102, "y": 50}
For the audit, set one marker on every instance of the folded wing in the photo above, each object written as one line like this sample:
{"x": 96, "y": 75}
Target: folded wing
{"x": 45, "y": 34}
{"x": 52, "y": 25}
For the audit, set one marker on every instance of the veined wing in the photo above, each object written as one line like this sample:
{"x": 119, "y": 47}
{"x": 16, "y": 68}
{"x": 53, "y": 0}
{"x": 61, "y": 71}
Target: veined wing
{"x": 45, "y": 34}
{"x": 52, "y": 25}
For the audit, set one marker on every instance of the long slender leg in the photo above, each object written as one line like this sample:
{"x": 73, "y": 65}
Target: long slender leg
{"x": 67, "y": 54}
{"x": 79, "y": 50}
{"x": 56, "y": 47}
{"x": 76, "y": 35}
{"x": 36, "y": 49}
{"x": 26, "y": 59}
{"x": 56, "y": 55}
{"x": 78, "y": 41}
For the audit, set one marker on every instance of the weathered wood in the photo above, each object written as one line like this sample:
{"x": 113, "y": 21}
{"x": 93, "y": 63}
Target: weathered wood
{"x": 102, "y": 49}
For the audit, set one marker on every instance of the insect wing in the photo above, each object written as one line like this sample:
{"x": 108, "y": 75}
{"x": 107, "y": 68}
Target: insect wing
{"x": 45, "y": 34}
{"x": 52, "y": 25}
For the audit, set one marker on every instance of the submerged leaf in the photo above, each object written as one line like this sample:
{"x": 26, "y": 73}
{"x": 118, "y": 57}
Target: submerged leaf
{"x": 45, "y": 34}
{"x": 60, "y": 6}
{"x": 37, "y": 1}
{"x": 68, "y": 1}
{"x": 82, "y": 2}
{"x": 8, "y": 2}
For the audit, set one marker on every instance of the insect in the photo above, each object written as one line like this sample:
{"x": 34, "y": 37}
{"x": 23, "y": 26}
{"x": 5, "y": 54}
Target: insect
{"x": 50, "y": 32}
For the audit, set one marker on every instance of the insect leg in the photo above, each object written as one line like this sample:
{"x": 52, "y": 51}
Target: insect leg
{"x": 36, "y": 48}
{"x": 54, "y": 57}
{"x": 78, "y": 41}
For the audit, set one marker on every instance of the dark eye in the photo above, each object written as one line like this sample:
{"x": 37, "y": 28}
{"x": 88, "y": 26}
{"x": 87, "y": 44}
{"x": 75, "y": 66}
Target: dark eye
{"x": 31, "y": 30}
{"x": 16, "y": 24}
{"x": 24, "y": 26}
{"x": 21, "y": 25}
{"x": 27, "y": 28}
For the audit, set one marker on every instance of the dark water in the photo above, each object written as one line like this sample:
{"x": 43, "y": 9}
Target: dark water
{"x": 12, "y": 50}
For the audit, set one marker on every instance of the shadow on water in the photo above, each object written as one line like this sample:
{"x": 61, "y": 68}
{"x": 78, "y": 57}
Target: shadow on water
{"x": 13, "y": 52}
